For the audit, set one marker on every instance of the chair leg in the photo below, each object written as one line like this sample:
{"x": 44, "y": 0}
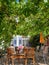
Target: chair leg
{"x": 26, "y": 61}
{"x": 44, "y": 58}
{"x": 12, "y": 61}
{"x": 6, "y": 61}
{"x": 33, "y": 60}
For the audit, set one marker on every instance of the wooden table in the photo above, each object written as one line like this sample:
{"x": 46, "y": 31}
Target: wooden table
{"x": 19, "y": 56}
{"x": 24, "y": 55}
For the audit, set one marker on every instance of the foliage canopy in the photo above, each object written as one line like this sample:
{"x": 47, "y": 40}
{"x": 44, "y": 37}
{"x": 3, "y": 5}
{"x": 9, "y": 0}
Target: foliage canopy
{"x": 33, "y": 18}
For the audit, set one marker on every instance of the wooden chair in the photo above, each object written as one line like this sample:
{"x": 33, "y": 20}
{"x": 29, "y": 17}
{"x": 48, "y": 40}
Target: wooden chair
{"x": 12, "y": 56}
{"x": 31, "y": 54}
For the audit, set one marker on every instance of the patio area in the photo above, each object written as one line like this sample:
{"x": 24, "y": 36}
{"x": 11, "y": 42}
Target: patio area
{"x": 40, "y": 62}
{"x": 20, "y": 61}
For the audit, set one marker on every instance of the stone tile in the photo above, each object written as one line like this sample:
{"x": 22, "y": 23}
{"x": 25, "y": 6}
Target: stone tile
{"x": 42, "y": 64}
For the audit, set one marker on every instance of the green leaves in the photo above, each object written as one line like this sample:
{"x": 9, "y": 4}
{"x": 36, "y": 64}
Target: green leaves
{"x": 33, "y": 18}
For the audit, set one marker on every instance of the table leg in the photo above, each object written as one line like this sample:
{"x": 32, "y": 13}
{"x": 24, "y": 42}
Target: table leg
{"x": 33, "y": 60}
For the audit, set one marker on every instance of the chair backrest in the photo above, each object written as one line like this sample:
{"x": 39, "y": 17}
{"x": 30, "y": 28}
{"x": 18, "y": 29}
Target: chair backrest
{"x": 42, "y": 47}
{"x": 10, "y": 51}
{"x": 29, "y": 52}
{"x": 25, "y": 50}
{"x": 45, "y": 50}
{"x": 37, "y": 48}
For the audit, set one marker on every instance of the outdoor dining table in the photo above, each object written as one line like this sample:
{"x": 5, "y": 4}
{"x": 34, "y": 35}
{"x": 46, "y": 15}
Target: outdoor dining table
{"x": 27, "y": 53}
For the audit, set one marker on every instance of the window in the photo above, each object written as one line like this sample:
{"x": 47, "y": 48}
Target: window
{"x": 15, "y": 43}
{"x": 20, "y": 42}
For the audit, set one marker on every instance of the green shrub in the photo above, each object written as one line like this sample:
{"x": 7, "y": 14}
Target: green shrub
{"x": 34, "y": 40}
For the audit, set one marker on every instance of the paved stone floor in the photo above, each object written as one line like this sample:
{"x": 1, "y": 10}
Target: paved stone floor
{"x": 38, "y": 61}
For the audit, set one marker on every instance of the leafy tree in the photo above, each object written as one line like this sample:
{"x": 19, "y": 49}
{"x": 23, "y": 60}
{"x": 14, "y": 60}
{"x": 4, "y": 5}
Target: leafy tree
{"x": 34, "y": 40}
{"x": 33, "y": 18}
